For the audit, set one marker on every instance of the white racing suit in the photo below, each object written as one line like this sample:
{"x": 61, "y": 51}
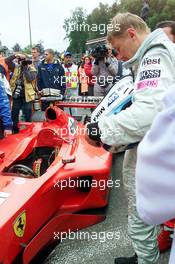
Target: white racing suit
{"x": 155, "y": 64}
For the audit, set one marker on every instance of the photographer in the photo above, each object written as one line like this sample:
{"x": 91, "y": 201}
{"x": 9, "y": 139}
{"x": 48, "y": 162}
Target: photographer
{"x": 23, "y": 90}
{"x": 105, "y": 70}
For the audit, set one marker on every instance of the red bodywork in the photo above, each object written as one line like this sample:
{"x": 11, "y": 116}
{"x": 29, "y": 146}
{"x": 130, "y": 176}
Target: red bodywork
{"x": 48, "y": 208}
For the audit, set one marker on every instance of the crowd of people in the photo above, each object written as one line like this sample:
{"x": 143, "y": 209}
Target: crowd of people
{"x": 23, "y": 78}
{"x": 151, "y": 56}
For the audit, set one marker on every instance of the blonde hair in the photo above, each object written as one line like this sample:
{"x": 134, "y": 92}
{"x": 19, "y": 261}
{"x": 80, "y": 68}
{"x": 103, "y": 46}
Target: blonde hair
{"x": 122, "y": 21}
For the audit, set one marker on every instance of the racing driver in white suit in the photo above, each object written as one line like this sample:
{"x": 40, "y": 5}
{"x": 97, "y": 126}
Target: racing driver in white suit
{"x": 152, "y": 58}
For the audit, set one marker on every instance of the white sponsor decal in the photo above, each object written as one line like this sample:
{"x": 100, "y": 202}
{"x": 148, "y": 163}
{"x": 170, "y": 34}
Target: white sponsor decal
{"x": 2, "y": 200}
{"x": 4, "y": 195}
{"x": 19, "y": 181}
{"x": 115, "y": 100}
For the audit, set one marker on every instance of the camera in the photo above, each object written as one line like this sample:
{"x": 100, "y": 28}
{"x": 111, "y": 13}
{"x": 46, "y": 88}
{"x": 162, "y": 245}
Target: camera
{"x": 24, "y": 62}
{"x": 100, "y": 52}
{"x": 19, "y": 89}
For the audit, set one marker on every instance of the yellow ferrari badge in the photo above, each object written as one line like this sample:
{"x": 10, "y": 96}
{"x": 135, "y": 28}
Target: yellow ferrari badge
{"x": 20, "y": 225}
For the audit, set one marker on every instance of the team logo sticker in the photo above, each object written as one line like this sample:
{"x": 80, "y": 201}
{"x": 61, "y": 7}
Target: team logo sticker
{"x": 150, "y": 74}
{"x": 20, "y": 225}
{"x": 113, "y": 97}
{"x": 151, "y": 61}
{"x": 148, "y": 84}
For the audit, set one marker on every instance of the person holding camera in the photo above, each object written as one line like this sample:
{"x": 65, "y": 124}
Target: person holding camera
{"x": 23, "y": 90}
{"x": 7, "y": 67}
{"x": 105, "y": 70}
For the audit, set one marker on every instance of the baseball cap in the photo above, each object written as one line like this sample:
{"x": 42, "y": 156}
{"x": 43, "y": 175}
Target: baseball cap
{"x": 67, "y": 53}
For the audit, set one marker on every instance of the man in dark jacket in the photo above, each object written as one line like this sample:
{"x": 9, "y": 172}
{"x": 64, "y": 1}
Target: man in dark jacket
{"x": 168, "y": 27}
{"x": 51, "y": 77}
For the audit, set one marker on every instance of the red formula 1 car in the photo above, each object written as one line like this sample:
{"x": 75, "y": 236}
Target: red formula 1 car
{"x": 49, "y": 178}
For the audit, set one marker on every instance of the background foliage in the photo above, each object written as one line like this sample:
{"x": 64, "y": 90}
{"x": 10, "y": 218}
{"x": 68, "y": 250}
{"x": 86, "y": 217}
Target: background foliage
{"x": 159, "y": 10}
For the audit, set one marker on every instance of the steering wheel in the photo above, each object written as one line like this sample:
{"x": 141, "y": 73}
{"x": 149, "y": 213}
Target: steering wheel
{"x": 22, "y": 169}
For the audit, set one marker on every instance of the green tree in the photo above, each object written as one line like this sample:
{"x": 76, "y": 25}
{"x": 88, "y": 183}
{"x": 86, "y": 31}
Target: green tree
{"x": 27, "y": 50}
{"x": 114, "y": 9}
{"x": 76, "y": 30}
{"x": 133, "y": 6}
{"x": 102, "y": 15}
{"x": 160, "y": 10}
{"x": 98, "y": 21}
{"x": 17, "y": 47}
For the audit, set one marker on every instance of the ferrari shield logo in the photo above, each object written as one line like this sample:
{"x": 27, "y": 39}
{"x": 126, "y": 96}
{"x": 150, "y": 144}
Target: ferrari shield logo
{"x": 20, "y": 225}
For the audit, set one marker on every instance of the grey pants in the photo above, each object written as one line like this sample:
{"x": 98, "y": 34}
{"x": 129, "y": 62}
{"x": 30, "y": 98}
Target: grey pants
{"x": 143, "y": 236}
{"x": 101, "y": 91}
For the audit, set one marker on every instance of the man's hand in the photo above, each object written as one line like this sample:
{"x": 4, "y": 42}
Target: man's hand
{"x": 7, "y": 132}
{"x": 20, "y": 56}
{"x": 107, "y": 61}
{"x": 90, "y": 141}
{"x": 40, "y": 93}
{"x": 92, "y": 135}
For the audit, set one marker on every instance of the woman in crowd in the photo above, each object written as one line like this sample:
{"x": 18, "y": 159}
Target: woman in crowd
{"x": 88, "y": 70}
{"x": 83, "y": 79}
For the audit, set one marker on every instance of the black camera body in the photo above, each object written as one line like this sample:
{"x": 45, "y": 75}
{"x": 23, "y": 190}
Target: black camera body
{"x": 100, "y": 52}
{"x": 24, "y": 62}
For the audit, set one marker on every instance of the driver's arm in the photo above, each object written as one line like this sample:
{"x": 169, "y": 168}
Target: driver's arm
{"x": 130, "y": 125}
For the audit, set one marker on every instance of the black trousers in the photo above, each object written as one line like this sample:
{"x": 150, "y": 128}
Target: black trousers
{"x": 91, "y": 90}
{"x": 20, "y": 104}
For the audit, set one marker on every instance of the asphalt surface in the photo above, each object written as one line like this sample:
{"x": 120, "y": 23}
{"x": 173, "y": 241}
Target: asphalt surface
{"x": 96, "y": 251}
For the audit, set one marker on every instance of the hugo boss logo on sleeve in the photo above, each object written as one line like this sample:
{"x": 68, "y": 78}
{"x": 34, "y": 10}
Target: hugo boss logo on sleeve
{"x": 149, "y": 74}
